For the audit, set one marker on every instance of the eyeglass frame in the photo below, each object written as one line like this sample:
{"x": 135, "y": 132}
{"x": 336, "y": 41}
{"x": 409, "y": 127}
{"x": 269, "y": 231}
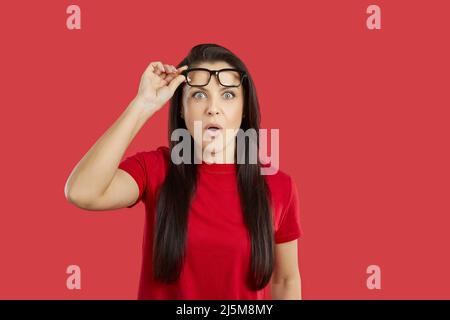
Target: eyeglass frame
{"x": 242, "y": 74}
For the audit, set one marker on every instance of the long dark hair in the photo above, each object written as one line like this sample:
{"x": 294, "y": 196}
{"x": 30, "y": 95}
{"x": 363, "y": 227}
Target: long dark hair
{"x": 176, "y": 192}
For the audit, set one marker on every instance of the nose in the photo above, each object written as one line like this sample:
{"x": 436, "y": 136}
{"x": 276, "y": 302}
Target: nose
{"x": 212, "y": 107}
{"x": 213, "y": 102}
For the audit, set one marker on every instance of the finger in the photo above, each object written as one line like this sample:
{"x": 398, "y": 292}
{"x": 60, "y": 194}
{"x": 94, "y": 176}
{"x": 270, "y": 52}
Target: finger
{"x": 176, "y": 82}
{"x": 158, "y": 67}
{"x": 167, "y": 68}
{"x": 172, "y": 72}
{"x": 153, "y": 67}
{"x": 182, "y": 68}
{"x": 170, "y": 76}
{"x": 176, "y": 72}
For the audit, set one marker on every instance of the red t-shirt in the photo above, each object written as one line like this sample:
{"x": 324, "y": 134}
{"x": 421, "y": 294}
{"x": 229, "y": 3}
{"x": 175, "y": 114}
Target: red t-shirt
{"x": 218, "y": 246}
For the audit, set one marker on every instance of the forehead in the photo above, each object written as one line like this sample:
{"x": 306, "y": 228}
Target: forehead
{"x": 212, "y": 65}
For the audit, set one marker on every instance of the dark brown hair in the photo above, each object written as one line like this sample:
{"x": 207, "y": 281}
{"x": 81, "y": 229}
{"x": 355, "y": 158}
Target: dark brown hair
{"x": 178, "y": 189}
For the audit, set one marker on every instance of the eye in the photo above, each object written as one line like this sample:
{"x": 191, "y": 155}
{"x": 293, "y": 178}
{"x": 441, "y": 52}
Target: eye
{"x": 230, "y": 94}
{"x": 194, "y": 95}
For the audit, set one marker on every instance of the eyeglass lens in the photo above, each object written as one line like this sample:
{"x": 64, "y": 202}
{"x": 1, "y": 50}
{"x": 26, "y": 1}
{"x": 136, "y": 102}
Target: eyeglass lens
{"x": 226, "y": 77}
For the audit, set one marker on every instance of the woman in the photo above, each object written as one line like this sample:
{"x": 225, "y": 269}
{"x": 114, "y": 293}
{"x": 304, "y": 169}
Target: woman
{"x": 216, "y": 228}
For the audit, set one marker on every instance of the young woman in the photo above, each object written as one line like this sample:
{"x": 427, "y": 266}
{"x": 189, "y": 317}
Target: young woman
{"x": 216, "y": 228}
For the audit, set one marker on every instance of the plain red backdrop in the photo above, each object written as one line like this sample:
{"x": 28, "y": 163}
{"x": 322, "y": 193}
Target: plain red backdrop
{"x": 363, "y": 118}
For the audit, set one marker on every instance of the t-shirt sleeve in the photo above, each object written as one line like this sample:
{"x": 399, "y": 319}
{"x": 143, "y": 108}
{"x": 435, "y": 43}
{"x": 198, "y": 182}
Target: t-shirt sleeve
{"x": 290, "y": 228}
{"x": 135, "y": 166}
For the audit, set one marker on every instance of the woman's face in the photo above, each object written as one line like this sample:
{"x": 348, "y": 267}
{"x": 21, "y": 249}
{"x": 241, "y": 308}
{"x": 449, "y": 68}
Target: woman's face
{"x": 217, "y": 105}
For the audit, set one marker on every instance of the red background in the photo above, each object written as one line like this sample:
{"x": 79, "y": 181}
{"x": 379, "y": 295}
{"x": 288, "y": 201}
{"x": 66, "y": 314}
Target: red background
{"x": 363, "y": 118}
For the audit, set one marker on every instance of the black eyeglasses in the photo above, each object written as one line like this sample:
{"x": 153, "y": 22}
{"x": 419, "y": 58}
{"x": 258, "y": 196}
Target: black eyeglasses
{"x": 200, "y": 77}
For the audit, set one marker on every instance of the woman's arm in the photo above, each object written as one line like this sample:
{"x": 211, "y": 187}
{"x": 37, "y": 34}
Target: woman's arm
{"x": 93, "y": 174}
{"x": 286, "y": 280}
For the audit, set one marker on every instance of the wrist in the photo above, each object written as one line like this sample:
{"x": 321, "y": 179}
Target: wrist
{"x": 143, "y": 109}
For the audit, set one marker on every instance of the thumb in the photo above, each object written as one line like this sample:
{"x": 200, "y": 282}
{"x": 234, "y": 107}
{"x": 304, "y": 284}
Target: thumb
{"x": 176, "y": 82}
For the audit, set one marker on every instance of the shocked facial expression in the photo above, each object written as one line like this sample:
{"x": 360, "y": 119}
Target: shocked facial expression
{"x": 215, "y": 111}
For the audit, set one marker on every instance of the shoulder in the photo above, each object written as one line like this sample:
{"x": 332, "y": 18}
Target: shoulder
{"x": 156, "y": 161}
{"x": 282, "y": 189}
{"x": 281, "y": 180}
{"x": 152, "y": 164}
{"x": 159, "y": 155}
{"x": 285, "y": 205}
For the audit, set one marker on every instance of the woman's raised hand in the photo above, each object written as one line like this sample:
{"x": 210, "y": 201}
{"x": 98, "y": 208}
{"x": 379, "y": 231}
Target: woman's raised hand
{"x": 158, "y": 84}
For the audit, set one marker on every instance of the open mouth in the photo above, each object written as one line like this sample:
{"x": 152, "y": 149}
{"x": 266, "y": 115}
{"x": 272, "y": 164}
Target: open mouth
{"x": 213, "y": 130}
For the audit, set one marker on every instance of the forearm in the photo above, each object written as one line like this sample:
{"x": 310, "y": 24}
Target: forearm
{"x": 94, "y": 172}
{"x": 287, "y": 289}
